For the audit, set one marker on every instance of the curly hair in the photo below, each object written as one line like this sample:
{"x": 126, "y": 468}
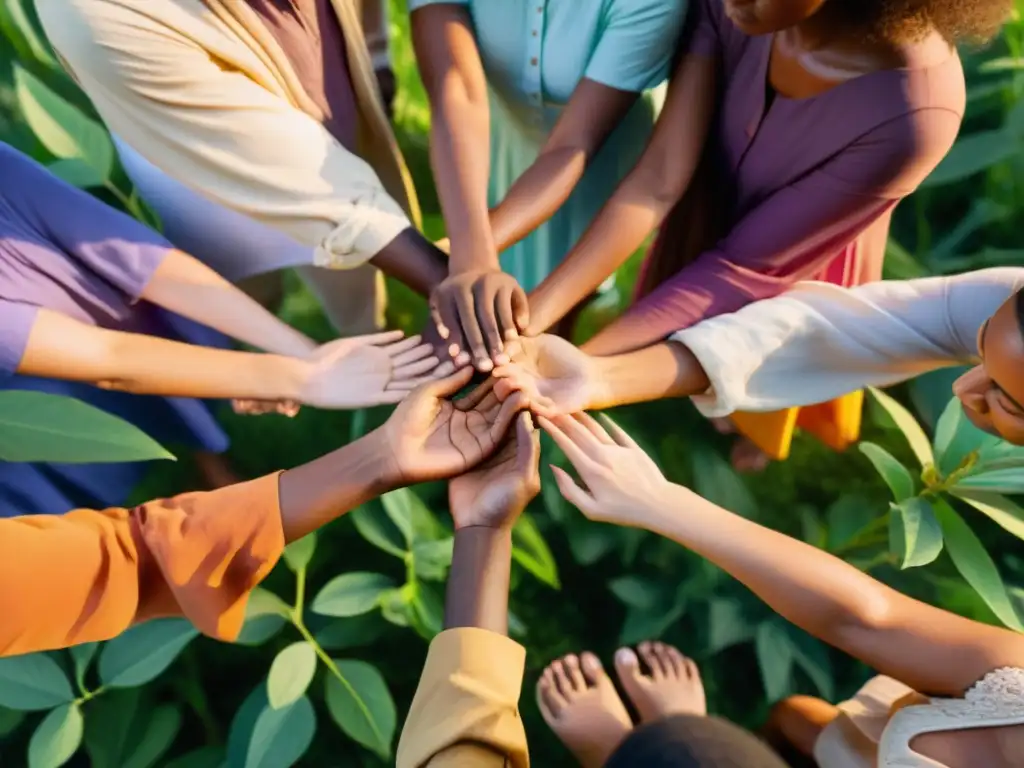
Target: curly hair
{"x": 907, "y": 21}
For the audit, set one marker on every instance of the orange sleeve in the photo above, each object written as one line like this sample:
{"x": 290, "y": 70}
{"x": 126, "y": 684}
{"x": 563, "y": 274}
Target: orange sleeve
{"x": 88, "y": 575}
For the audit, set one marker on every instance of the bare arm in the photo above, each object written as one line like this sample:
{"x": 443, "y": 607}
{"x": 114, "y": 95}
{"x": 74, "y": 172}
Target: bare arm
{"x": 643, "y": 198}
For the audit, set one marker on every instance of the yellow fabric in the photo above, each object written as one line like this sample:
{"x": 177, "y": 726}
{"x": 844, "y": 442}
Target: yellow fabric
{"x": 466, "y": 710}
{"x": 836, "y": 423}
{"x": 204, "y": 93}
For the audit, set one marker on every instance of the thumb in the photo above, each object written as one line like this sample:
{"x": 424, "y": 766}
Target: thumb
{"x": 449, "y": 385}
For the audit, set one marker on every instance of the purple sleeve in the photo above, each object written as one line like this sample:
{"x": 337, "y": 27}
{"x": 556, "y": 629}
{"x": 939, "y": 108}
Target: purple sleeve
{"x": 109, "y": 243}
{"x": 16, "y": 321}
{"x": 793, "y": 233}
{"x": 702, "y": 35}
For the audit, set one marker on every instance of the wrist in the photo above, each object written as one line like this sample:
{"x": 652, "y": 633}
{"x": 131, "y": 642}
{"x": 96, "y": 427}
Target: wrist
{"x": 472, "y": 252}
{"x": 383, "y": 466}
{"x": 292, "y": 379}
{"x": 608, "y": 381}
{"x": 667, "y": 505}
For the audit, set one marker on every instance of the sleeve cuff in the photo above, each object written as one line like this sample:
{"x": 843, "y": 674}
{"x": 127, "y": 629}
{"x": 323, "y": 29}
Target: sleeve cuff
{"x": 726, "y": 361}
{"x": 18, "y": 321}
{"x": 375, "y": 220}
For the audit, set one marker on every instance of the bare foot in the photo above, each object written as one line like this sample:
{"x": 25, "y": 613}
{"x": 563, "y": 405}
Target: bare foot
{"x": 579, "y": 702}
{"x": 674, "y": 686}
{"x": 215, "y": 470}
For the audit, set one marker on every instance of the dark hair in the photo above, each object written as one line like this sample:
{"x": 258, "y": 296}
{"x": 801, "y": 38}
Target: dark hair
{"x": 908, "y": 21}
{"x": 693, "y": 741}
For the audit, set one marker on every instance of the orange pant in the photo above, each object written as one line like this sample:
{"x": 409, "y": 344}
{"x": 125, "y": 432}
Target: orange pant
{"x": 836, "y": 423}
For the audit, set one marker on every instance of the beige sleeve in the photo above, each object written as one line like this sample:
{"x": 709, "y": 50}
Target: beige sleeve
{"x": 214, "y": 129}
{"x": 466, "y": 709}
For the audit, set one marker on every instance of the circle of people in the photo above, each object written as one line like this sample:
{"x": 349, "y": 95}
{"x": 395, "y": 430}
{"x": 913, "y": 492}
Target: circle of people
{"x": 563, "y": 134}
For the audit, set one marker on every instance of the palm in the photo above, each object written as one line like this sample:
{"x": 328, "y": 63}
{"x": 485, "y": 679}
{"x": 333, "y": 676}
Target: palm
{"x": 549, "y": 368}
{"x": 348, "y": 374}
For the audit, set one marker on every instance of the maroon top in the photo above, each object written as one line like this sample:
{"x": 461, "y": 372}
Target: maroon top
{"x": 311, "y": 36}
{"x": 810, "y": 183}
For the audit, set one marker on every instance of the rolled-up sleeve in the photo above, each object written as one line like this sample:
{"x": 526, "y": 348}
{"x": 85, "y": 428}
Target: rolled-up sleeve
{"x": 466, "y": 708}
{"x": 214, "y": 129}
{"x": 18, "y": 320}
{"x": 88, "y": 575}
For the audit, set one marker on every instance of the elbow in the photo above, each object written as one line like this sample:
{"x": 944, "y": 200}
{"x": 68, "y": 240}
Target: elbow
{"x": 870, "y": 615}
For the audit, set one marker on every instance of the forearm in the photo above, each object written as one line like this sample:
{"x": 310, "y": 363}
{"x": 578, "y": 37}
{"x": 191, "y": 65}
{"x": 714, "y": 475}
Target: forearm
{"x": 669, "y": 369}
{"x": 478, "y": 582}
{"x": 411, "y": 259}
{"x": 818, "y": 592}
{"x": 316, "y": 493}
{"x": 183, "y": 285}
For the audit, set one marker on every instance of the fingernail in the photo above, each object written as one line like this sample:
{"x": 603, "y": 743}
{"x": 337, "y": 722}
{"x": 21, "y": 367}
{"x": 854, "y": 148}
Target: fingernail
{"x": 484, "y": 365}
{"x": 453, "y": 350}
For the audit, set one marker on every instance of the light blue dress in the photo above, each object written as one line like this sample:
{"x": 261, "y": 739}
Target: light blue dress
{"x": 534, "y": 54}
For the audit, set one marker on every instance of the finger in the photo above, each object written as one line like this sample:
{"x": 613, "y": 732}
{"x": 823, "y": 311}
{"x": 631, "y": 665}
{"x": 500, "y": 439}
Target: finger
{"x": 544, "y": 406}
{"x": 466, "y": 305}
{"x": 446, "y": 368}
{"x": 413, "y": 370}
{"x": 618, "y": 434}
{"x": 449, "y": 385}
{"x": 520, "y": 309}
{"x": 580, "y": 436}
{"x": 576, "y": 455}
{"x": 475, "y": 396}
{"x": 392, "y": 396}
{"x": 404, "y": 345}
{"x": 590, "y": 424}
{"x": 572, "y": 493}
{"x": 489, "y": 327}
{"x": 411, "y": 355}
{"x": 456, "y": 343}
{"x": 407, "y": 385}
{"x": 384, "y": 337}
{"x": 506, "y": 317}
{"x": 435, "y": 315}
{"x": 527, "y": 443}
{"x": 506, "y": 414}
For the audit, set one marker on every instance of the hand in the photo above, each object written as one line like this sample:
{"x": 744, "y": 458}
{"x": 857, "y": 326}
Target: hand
{"x": 476, "y": 312}
{"x": 555, "y": 375}
{"x": 495, "y": 493}
{"x": 430, "y": 437}
{"x": 369, "y": 370}
{"x": 623, "y": 483}
{"x": 287, "y": 408}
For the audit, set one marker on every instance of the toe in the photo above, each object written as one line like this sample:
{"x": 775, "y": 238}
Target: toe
{"x": 651, "y": 659}
{"x": 663, "y": 653}
{"x": 574, "y": 673}
{"x": 693, "y": 670}
{"x": 593, "y": 671}
{"x": 549, "y": 699}
{"x": 676, "y": 662}
{"x": 562, "y": 681}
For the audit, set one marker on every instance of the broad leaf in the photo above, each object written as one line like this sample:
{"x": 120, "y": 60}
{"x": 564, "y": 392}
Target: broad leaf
{"x": 431, "y": 559}
{"x": 351, "y": 594}
{"x": 158, "y": 737}
{"x": 377, "y": 528}
{"x": 636, "y": 592}
{"x": 265, "y": 615}
{"x": 339, "y": 634}
{"x": 206, "y": 757}
{"x": 907, "y": 424}
{"x": 33, "y": 682}
{"x": 144, "y": 652}
{"x": 17, "y": 25}
{"x": 56, "y": 738}
{"x": 427, "y": 611}
{"x": 811, "y": 655}
{"x": 82, "y": 656}
{"x": 298, "y": 554}
{"x": 895, "y": 474}
{"x": 36, "y": 426}
{"x": 727, "y": 625}
{"x": 408, "y": 512}
{"x": 999, "y": 508}
{"x": 280, "y": 737}
{"x": 973, "y": 154}
{"x": 975, "y": 565}
{"x": 361, "y": 705}
{"x": 775, "y": 658}
{"x": 10, "y": 719}
{"x": 716, "y": 480}
{"x": 290, "y": 674}
{"x": 532, "y": 553}
{"x": 1009, "y": 480}
{"x": 846, "y": 519}
{"x": 61, "y": 127}
{"x": 77, "y": 173}
{"x": 915, "y": 536}
{"x": 956, "y": 438}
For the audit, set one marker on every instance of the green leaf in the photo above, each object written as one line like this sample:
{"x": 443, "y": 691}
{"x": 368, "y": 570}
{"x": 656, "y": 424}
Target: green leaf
{"x": 635, "y": 592}
{"x": 975, "y": 565}
{"x": 532, "y": 553}
{"x": 281, "y": 737}
{"x": 956, "y": 438}
{"x": 408, "y": 512}
{"x": 77, "y": 173}
{"x": 590, "y": 541}
{"x": 351, "y": 594}
{"x": 651, "y": 624}
{"x": 10, "y": 719}
{"x": 427, "y": 614}
{"x": 265, "y": 615}
{"x": 298, "y": 554}
{"x": 116, "y": 721}
{"x": 82, "y": 656}
{"x": 1009, "y": 480}
{"x": 19, "y": 29}
{"x": 907, "y": 424}
{"x": 243, "y": 724}
{"x": 361, "y": 705}
{"x": 915, "y": 536}
{"x": 727, "y": 624}
{"x": 846, "y": 519}
{"x": 716, "y": 480}
{"x": 206, "y": 757}
{"x": 973, "y": 154}
{"x": 56, "y": 738}
{"x": 378, "y": 529}
{"x": 158, "y": 737}
{"x": 144, "y": 652}
{"x": 33, "y": 682}
{"x": 895, "y": 474}
{"x": 775, "y": 658}
{"x": 999, "y": 508}
{"x": 431, "y": 559}
{"x": 811, "y": 655}
{"x": 36, "y": 426}
{"x": 350, "y": 633}
{"x": 396, "y": 605}
{"x": 290, "y": 674}
{"x": 61, "y": 127}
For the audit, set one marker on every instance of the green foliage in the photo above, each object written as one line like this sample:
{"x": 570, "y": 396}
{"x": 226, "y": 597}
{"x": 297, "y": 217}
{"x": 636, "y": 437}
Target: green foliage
{"x": 160, "y": 696}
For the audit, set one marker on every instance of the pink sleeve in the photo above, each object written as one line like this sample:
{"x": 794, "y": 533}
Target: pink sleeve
{"x": 791, "y": 235}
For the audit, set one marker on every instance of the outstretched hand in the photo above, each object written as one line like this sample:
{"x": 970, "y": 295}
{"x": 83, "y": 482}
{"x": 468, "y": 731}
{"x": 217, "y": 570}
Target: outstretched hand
{"x": 430, "y": 437}
{"x": 556, "y": 376}
{"x": 622, "y": 482}
{"x": 495, "y": 493}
